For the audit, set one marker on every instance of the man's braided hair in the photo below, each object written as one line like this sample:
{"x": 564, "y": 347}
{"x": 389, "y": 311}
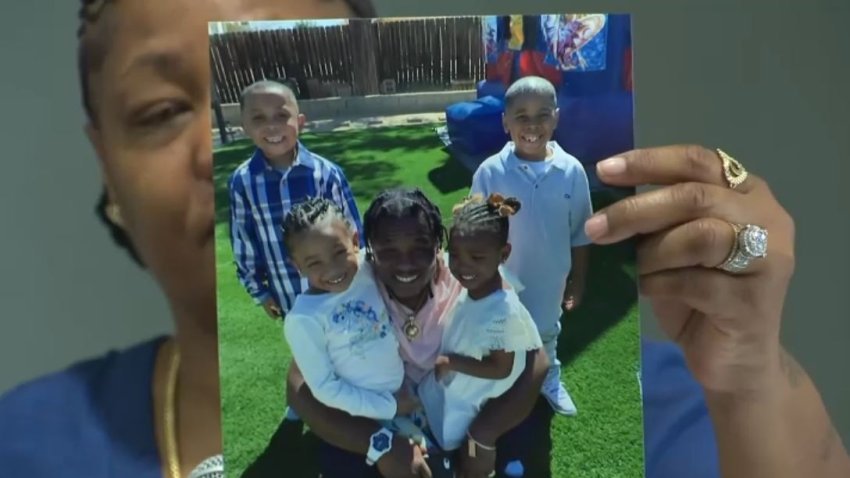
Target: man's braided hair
{"x": 402, "y": 203}
{"x": 89, "y": 54}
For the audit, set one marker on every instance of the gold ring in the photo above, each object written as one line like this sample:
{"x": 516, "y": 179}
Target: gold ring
{"x": 733, "y": 171}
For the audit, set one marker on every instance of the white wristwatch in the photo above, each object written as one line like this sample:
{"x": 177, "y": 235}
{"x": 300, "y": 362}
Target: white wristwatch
{"x": 380, "y": 443}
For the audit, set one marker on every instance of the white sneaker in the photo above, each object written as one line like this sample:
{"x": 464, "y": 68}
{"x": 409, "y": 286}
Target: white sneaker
{"x": 556, "y": 394}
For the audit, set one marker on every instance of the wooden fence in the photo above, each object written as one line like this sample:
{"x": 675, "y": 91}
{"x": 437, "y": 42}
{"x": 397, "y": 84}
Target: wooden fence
{"x": 429, "y": 54}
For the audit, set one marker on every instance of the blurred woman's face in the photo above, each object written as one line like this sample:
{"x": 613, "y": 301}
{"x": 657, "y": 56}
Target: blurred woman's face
{"x": 151, "y": 98}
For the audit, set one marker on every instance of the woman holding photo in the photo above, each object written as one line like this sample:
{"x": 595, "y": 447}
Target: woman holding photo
{"x": 153, "y": 410}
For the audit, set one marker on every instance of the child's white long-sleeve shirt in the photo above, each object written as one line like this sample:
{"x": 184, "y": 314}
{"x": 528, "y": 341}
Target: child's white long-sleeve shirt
{"x": 346, "y": 349}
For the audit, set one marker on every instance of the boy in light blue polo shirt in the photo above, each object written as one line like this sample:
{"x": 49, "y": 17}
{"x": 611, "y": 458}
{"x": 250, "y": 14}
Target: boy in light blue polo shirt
{"x": 550, "y": 249}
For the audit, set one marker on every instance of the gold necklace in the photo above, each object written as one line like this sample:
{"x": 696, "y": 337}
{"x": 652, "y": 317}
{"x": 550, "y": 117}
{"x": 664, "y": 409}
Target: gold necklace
{"x": 169, "y": 420}
{"x": 410, "y": 327}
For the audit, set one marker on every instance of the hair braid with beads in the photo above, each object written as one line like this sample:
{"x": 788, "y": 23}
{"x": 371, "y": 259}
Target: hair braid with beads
{"x": 478, "y": 215}
{"x": 308, "y": 213}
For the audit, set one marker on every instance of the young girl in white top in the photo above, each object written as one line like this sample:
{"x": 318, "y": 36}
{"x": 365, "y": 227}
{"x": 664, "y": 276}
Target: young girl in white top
{"x": 486, "y": 337}
{"x": 338, "y": 331}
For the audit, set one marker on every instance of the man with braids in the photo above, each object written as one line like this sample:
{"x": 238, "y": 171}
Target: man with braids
{"x": 727, "y": 396}
{"x": 404, "y": 236}
{"x": 489, "y": 332}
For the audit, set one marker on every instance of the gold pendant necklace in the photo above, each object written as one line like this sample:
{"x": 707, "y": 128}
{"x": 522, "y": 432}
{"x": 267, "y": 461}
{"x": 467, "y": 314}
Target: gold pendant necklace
{"x": 410, "y": 329}
{"x": 170, "y": 422}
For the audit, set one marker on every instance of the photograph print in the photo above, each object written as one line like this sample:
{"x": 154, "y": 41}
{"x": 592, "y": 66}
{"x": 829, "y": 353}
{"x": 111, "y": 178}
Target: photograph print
{"x": 404, "y": 280}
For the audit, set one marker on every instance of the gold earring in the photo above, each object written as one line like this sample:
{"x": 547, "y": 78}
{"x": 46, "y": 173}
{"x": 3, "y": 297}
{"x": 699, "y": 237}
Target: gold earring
{"x": 113, "y": 212}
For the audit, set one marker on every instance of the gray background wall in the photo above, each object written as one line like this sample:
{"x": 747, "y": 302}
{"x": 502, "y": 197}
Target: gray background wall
{"x": 766, "y": 84}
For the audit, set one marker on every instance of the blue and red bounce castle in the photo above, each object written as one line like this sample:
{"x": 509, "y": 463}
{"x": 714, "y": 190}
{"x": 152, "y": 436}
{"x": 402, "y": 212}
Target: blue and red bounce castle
{"x": 587, "y": 57}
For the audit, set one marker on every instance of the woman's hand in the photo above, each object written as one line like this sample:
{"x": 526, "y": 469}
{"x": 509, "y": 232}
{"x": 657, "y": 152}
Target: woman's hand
{"x": 727, "y": 324}
{"x": 768, "y": 417}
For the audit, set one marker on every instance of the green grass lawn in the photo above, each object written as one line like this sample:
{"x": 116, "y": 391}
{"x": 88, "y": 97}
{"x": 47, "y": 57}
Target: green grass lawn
{"x": 599, "y": 347}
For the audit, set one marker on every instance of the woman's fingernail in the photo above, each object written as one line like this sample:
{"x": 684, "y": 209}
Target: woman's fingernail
{"x": 596, "y": 226}
{"x": 612, "y": 166}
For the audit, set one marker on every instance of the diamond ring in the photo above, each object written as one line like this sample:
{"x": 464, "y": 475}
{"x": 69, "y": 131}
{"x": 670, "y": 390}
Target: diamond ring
{"x": 750, "y": 243}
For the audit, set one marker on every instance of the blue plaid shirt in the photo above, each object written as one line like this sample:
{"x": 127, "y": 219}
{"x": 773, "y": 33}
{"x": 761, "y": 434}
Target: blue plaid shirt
{"x": 260, "y": 197}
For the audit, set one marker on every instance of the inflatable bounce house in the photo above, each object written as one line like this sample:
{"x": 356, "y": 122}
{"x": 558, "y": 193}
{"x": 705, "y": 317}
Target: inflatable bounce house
{"x": 588, "y": 59}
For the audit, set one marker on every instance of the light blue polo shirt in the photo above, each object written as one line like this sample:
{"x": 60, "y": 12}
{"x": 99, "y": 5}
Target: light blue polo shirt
{"x": 555, "y": 203}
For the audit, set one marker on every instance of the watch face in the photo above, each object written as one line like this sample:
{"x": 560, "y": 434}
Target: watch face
{"x": 381, "y": 442}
